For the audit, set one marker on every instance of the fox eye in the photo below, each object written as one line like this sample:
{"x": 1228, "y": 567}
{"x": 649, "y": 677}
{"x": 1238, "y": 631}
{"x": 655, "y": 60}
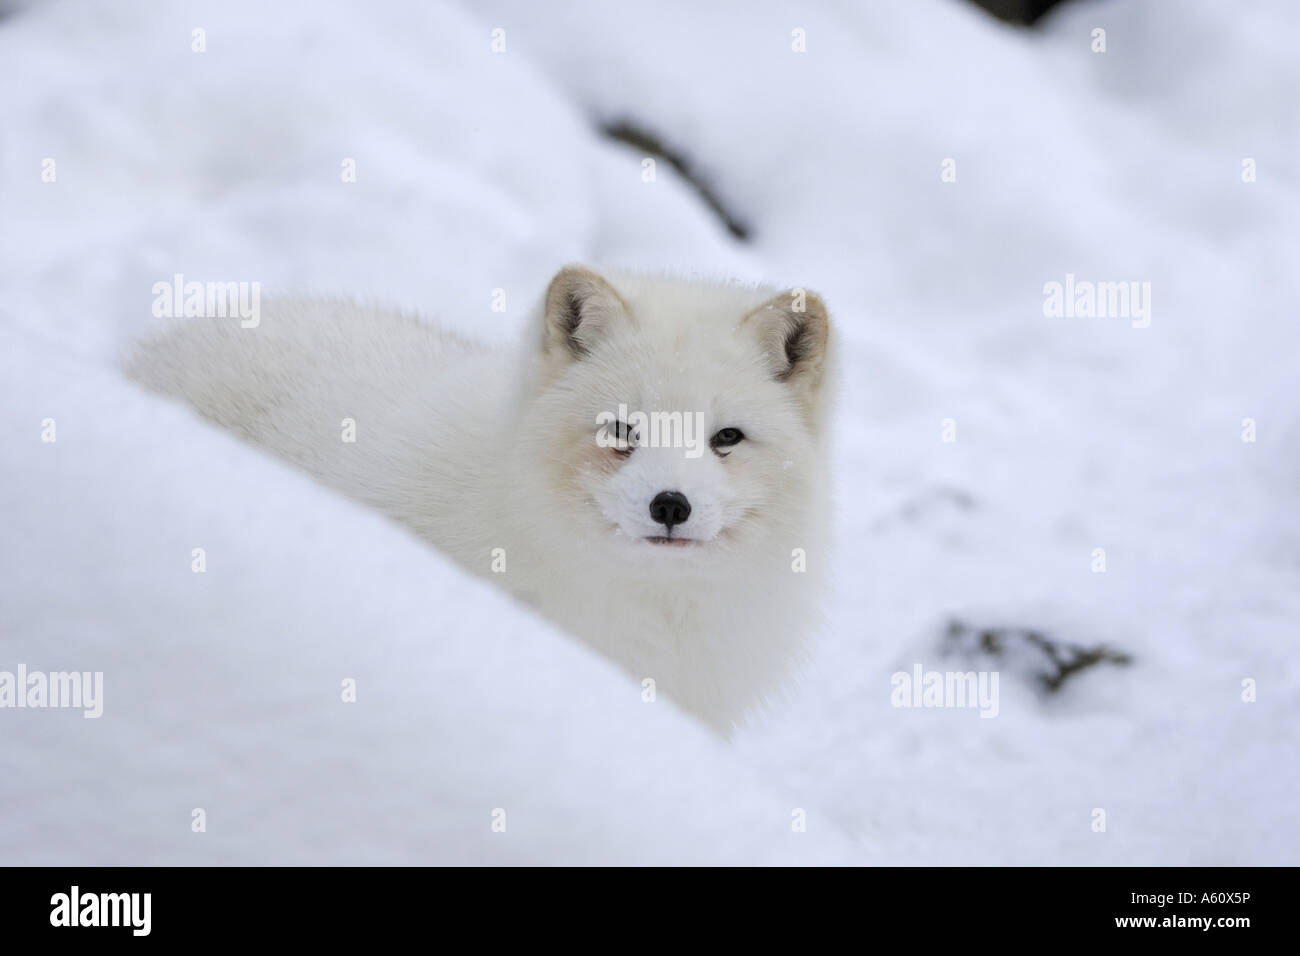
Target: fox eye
{"x": 626, "y": 440}
{"x": 726, "y": 437}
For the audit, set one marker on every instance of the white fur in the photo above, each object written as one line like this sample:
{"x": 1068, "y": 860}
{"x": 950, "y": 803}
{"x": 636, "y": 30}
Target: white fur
{"x": 478, "y": 449}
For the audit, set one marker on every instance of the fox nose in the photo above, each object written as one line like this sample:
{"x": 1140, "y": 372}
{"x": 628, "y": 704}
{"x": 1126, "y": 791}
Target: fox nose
{"x": 670, "y": 508}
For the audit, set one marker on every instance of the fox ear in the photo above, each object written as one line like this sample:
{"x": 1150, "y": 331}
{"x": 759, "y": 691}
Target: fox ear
{"x": 580, "y": 306}
{"x": 793, "y": 329}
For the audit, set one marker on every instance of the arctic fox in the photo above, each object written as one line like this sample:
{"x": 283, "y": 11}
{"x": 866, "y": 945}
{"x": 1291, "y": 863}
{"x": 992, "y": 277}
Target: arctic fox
{"x": 648, "y": 470}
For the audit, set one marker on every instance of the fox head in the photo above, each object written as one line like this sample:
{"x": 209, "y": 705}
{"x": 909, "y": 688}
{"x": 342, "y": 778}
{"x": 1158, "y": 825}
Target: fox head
{"x": 673, "y": 416}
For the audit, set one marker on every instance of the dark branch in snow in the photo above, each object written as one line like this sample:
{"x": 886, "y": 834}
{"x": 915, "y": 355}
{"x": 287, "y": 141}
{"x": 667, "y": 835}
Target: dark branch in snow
{"x": 1050, "y": 661}
{"x": 625, "y": 131}
{"x": 1025, "y": 12}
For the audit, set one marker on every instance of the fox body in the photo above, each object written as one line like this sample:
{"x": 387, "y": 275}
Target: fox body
{"x": 647, "y": 469}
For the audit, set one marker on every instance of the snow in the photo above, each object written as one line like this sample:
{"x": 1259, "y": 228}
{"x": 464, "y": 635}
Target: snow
{"x": 479, "y": 171}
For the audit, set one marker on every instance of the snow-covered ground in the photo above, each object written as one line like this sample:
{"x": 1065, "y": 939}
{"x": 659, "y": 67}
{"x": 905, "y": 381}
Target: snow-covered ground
{"x": 479, "y": 170}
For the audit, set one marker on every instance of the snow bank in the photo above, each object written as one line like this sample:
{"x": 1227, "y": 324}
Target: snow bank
{"x": 224, "y": 690}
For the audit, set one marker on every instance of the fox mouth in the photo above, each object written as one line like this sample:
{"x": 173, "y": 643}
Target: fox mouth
{"x": 672, "y": 542}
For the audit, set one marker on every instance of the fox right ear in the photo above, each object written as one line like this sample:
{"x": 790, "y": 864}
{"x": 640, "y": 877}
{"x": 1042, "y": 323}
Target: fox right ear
{"x": 793, "y": 328}
{"x": 580, "y": 305}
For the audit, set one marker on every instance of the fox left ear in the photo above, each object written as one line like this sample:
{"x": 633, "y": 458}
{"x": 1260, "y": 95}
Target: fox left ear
{"x": 793, "y": 329}
{"x": 580, "y": 307}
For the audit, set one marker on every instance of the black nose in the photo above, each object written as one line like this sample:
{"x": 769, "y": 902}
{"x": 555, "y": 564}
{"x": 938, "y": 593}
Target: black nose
{"x": 670, "y": 508}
